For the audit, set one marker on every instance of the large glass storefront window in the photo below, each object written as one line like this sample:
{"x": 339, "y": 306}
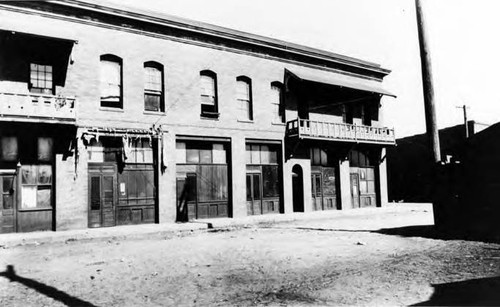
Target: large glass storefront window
{"x": 36, "y": 186}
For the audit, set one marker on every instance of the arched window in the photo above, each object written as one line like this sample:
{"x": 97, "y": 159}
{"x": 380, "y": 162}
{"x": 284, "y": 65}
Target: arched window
{"x": 277, "y": 102}
{"x": 244, "y": 98}
{"x": 111, "y": 81}
{"x": 153, "y": 87}
{"x": 208, "y": 89}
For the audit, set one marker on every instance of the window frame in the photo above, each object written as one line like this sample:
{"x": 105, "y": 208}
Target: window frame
{"x": 248, "y": 101}
{"x": 117, "y": 60}
{"x": 366, "y": 114}
{"x": 38, "y": 186}
{"x": 161, "y": 93}
{"x": 280, "y": 105}
{"x": 208, "y": 110}
{"x": 42, "y": 90}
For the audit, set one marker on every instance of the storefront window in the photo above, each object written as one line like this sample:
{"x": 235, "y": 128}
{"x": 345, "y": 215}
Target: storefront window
{"x": 36, "y": 186}
{"x": 9, "y": 148}
{"x": 45, "y": 146}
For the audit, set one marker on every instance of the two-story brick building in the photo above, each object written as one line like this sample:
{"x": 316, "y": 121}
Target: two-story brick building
{"x": 111, "y": 116}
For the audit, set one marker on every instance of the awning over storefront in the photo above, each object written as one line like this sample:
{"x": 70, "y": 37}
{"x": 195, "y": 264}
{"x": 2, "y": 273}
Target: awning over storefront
{"x": 340, "y": 81}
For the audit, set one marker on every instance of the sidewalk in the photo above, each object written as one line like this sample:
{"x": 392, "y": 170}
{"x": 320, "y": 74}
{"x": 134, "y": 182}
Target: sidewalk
{"x": 149, "y": 231}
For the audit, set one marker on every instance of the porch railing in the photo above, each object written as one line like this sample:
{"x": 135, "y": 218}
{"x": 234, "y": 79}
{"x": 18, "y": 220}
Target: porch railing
{"x": 37, "y": 106}
{"x": 304, "y": 128}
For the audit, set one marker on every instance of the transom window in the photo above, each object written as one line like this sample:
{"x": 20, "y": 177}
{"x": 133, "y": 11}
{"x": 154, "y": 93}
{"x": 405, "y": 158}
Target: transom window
{"x": 153, "y": 87}
{"x": 41, "y": 79}
{"x": 111, "y": 81}
{"x": 261, "y": 154}
{"x": 200, "y": 153}
{"x": 318, "y": 156}
{"x": 9, "y": 148}
{"x": 244, "y": 98}
{"x": 208, "y": 88}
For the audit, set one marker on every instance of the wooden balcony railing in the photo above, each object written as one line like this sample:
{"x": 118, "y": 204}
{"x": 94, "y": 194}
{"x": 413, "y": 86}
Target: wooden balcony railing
{"x": 37, "y": 107}
{"x": 304, "y": 128}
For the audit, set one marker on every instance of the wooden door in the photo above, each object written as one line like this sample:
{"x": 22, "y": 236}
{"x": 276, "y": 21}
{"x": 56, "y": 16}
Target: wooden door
{"x": 136, "y": 195}
{"x": 8, "y": 204}
{"x": 355, "y": 190}
{"x": 102, "y": 195}
{"x": 316, "y": 191}
{"x": 329, "y": 189}
{"x": 187, "y": 198}
{"x": 254, "y": 194}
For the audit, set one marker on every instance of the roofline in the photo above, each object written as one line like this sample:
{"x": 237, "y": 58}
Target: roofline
{"x": 213, "y": 30}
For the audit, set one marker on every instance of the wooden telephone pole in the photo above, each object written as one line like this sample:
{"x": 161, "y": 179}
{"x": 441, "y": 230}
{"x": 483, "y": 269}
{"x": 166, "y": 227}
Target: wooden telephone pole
{"x": 430, "y": 111}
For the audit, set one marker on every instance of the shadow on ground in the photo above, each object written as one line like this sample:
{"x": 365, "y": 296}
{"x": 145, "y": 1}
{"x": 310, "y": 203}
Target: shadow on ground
{"x": 430, "y": 232}
{"x": 474, "y": 292}
{"x": 44, "y": 289}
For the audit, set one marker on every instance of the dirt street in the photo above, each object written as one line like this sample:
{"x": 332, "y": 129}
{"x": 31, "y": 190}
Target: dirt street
{"x": 370, "y": 257}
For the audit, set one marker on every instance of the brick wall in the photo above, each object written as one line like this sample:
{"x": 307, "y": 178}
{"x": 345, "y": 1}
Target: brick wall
{"x": 182, "y": 64}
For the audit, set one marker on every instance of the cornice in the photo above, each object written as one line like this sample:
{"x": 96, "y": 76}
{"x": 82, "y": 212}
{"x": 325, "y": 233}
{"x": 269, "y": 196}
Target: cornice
{"x": 206, "y": 29}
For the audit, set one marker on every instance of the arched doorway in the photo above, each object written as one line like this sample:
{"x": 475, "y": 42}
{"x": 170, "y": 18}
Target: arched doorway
{"x": 298, "y": 188}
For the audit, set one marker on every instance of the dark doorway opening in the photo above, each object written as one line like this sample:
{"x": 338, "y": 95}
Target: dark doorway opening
{"x": 298, "y": 188}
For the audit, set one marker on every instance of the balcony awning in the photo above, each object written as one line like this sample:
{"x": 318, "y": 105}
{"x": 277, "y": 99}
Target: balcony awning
{"x": 6, "y": 33}
{"x": 20, "y": 48}
{"x": 331, "y": 79}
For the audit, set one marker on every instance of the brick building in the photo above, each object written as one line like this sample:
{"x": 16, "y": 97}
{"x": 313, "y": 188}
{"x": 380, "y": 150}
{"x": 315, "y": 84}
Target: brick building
{"x": 111, "y": 116}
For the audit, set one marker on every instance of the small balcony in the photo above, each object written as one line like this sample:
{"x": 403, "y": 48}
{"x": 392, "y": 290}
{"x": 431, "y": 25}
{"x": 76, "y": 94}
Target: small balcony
{"x": 310, "y": 129}
{"x": 36, "y": 108}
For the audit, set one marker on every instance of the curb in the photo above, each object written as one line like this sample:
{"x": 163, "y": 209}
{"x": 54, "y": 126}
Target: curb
{"x": 170, "y": 230}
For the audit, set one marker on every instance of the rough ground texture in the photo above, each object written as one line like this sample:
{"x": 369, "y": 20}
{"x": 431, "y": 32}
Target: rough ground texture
{"x": 373, "y": 258}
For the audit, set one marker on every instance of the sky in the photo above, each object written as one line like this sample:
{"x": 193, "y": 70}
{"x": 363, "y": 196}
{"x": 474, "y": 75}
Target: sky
{"x": 464, "y": 45}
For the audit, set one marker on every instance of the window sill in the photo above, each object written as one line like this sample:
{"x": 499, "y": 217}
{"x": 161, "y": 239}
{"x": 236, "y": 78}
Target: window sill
{"x": 35, "y": 209}
{"x": 210, "y": 116}
{"x": 108, "y": 109}
{"x": 245, "y": 121}
{"x": 278, "y": 124}
{"x": 162, "y": 113}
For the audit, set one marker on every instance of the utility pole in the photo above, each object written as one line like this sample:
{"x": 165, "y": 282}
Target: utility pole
{"x": 430, "y": 111}
{"x": 465, "y": 107}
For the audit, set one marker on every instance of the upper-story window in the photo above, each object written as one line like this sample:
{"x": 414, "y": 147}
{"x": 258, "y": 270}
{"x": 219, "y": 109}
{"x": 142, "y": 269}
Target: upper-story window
{"x": 244, "y": 98}
{"x": 153, "y": 87}
{"x": 41, "y": 79}
{"x": 366, "y": 114}
{"x": 277, "y": 102}
{"x": 111, "y": 81}
{"x": 208, "y": 87}
{"x": 347, "y": 114}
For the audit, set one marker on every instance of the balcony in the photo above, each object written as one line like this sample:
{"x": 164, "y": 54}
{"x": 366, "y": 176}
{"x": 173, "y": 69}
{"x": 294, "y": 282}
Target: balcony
{"x": 36, "y": 108}
{"x": 309, "y": 129}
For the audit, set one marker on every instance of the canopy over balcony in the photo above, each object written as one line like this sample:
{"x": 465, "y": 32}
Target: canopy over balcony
{"x": 340, "y": 81}
{"x": 317, "y": 130}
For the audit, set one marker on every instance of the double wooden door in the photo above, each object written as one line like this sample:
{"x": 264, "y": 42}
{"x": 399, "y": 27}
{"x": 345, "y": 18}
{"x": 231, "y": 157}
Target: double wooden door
{"x": 103, "y": 195}
{"x": 316, "y": 191}
{"x": 254, "y": 194}
{"x": 355, "y": 193}
{"x": 8, "y": 202}
{"x": 323, "y": 189}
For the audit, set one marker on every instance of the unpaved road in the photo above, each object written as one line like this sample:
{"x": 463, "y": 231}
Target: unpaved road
{"x": 374, "y": 258}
